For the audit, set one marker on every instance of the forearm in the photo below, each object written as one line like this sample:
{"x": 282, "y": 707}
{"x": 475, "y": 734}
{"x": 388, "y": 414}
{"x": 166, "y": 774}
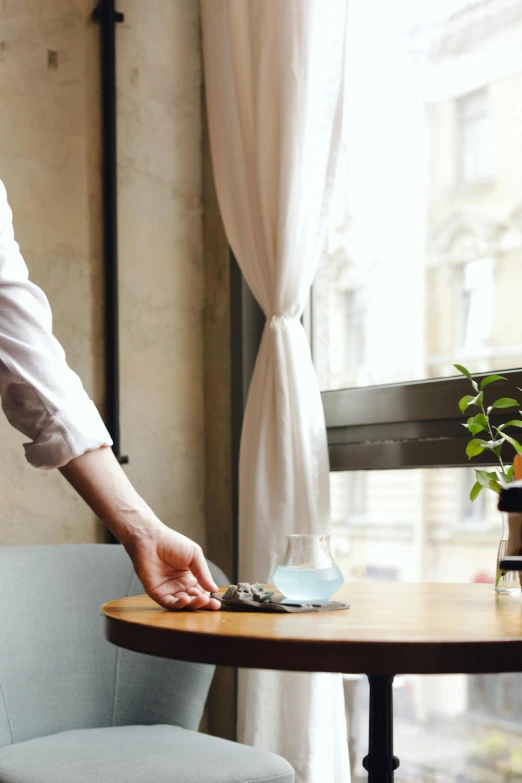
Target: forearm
{"x": 101, "y": 482}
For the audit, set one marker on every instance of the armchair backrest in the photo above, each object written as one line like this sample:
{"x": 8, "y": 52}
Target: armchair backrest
{"x": 57, "y": 671}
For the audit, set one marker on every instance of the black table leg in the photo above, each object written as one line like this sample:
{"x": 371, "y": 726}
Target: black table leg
{"x": 380, "y": 762}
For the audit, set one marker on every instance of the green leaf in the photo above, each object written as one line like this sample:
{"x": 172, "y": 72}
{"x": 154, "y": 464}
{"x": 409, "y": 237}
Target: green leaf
{"x": 516, "y": 445}
{"x": 476, "y": 489}
{"x": 474, "y": 428}
{"x": 474, "y": 447}
{"x": 488, "y": 479}
{"x": 482, "y": 478}
{"x": 476, "y": 424}
{"x": 490, "y": 379}
{"x": 510, "y": 472}
{"x": 486, "y": 475}
{"x": 465, "y": 401}
{"x": 505, "y": 402}
{"x": 467, "y": 373}
{"x": 514, "y": 423}
{"x": 479, "y": 420}
{"x": 493, "y": 444}
{"x": 463, "y": 370}
{"x": 478, "y": 399}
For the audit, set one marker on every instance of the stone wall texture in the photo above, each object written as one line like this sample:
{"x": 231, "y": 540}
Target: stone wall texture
{"x": 50, "y": 164}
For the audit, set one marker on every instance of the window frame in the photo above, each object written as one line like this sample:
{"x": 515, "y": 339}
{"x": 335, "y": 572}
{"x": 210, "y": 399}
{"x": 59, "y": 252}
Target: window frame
{"x": 466, "y": 116}
{"x": 416, "y": 424}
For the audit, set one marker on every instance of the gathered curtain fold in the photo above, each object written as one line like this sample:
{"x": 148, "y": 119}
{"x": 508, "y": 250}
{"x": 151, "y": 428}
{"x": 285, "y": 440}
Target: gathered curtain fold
{"x": 274, "y": 75}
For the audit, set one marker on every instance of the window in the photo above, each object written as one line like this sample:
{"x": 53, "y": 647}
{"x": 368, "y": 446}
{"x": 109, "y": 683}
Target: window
{"x": 355, "y": 330}
{"x": 347, "y": 355}
{"x": 496, "y": 697}
{"x": 475, "y": 513}
{"x": 349, "y": 498}
{"x": 474, "y": 137}
{"x": 415, "y": 278}
{"x": 475, "y": 312}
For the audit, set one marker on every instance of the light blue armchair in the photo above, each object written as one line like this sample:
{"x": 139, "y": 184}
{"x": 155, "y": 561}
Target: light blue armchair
{"x": 75, "y": 709}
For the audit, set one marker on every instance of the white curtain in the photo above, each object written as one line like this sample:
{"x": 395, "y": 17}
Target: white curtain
{"x": 274, "y": 73}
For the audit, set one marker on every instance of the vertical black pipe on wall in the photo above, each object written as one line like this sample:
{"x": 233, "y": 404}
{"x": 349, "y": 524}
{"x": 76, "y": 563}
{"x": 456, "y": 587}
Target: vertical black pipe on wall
{"x": 107, "y": 17}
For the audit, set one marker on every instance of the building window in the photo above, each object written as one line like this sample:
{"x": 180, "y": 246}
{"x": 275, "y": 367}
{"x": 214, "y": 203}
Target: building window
{"x": 474, "y": 137}
{"x": 357, "y": 494}
{"x": 349, "y": 497}
{"x": 475, "y": 309}
{"x": 355, "y": 330}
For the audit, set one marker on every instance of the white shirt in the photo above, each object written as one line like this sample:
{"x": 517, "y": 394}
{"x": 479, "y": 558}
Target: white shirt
{"x": 41, "y": 396}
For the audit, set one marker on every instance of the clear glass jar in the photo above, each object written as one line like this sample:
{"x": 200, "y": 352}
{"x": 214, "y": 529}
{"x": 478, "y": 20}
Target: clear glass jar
{"x": 510, "y": 544}
{"x": 308, "y": 571}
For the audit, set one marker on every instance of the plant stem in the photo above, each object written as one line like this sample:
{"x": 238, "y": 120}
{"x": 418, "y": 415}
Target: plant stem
{"x": 502, "y": 467}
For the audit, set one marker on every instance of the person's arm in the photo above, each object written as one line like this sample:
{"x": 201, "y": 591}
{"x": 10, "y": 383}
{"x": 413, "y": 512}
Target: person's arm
{"x": 41, "y": 396}
{"x": 45, "y": 400}
{"x": 171, "y": 567}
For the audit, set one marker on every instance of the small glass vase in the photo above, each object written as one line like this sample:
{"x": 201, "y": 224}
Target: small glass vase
{"x": 308, "y": 571}
{"x": 509, "y": 582}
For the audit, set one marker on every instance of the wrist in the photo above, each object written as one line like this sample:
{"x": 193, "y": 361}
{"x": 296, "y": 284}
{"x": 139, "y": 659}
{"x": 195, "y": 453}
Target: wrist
{"x": 135, "y": 526}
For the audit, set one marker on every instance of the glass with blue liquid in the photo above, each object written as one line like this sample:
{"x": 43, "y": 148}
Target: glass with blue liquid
{"x": 308, "y": 572}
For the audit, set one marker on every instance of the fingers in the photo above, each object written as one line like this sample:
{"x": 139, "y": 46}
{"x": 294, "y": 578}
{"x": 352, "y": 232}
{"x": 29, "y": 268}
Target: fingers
{"x": 213, "y": 604}
{"x": 188, "y": 600}
{"x": 201, "y": 571}
{"x": 178, "y": 601}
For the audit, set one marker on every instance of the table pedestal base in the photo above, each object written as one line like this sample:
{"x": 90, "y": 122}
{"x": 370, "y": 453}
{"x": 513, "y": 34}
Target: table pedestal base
{"x": 380, "y": 762}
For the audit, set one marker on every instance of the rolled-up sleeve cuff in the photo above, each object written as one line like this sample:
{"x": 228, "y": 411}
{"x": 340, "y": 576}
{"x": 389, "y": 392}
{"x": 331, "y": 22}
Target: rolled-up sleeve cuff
{"x": 68, "y": 434}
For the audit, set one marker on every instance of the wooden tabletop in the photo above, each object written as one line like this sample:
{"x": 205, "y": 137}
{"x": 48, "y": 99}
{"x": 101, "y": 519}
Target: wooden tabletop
{"x": 390, "y": 628}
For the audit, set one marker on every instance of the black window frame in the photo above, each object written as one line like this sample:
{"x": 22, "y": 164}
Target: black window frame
{"x": 417, "y": 424}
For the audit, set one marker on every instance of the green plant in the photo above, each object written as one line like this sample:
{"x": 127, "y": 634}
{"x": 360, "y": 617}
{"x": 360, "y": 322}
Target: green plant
{"x": 494, "y": 438}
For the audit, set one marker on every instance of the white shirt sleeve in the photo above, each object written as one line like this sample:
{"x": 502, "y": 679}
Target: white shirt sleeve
{"x": 41, "y": 396}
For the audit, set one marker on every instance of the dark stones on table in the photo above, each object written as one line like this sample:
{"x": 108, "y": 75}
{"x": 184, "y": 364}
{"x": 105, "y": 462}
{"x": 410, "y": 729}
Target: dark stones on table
{"x": 257, "y": 598}
{"x": 244, "y": 591}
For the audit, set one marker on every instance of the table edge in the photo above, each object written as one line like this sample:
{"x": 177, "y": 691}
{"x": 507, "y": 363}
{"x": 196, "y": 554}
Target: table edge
{"x": 347, "y": 657}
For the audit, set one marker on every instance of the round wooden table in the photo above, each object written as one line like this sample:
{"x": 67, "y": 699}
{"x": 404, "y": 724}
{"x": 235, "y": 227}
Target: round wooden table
{"x": 390, "y": 628}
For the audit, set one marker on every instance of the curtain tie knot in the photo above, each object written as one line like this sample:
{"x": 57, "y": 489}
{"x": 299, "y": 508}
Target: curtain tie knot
{"x": 281, "y": 321}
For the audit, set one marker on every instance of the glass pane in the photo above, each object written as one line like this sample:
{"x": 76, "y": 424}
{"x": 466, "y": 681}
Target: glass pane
{"x": 423, "y": 260}
{"x": 419, "y": 525}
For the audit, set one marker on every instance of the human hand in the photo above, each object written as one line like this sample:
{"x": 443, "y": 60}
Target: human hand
{"x": 172, "y": 569}
{"x": 170, "y": 566}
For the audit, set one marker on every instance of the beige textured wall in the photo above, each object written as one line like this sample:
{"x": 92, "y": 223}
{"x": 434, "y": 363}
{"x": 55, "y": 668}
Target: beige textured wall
{"x": 49, "y": 160}
{"x": 162, "y": 275}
